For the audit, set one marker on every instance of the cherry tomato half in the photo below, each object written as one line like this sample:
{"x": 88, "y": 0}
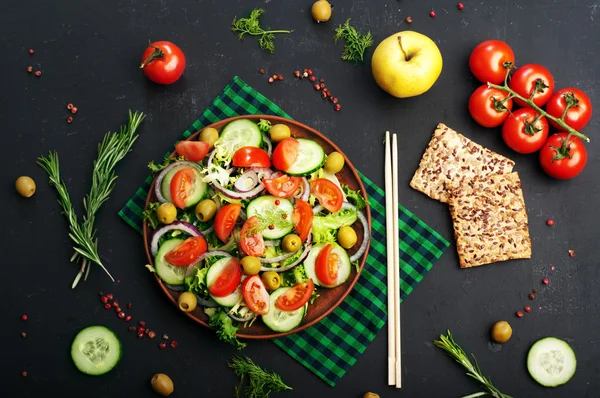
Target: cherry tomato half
{"x": 285, "y": 153}
{"x": 326, "y": 266}
{"x": 251, "y": 156}
{"x": 329, "y": 195}
{"x": 532, "y": 79}
{"x": 163, "y": 62}
{"x": 302, "y": 218}
{"x": 251, "y": 240}
{"x": 256, "y": 295}
{"x": 283, "y": 186}
{"x": 489, "y": 106}
{"x": 193, "y": 151}
{"x": 579, "y": 113}
{"x": 228, "y": 279}
{"x": 523, "y": 133}
{"x": 182, "y": 185}
{"x": 296, "y": 297}
{"x": 187, "y": 252}
{"x": 225, "y": 220}
{"x": 561, "y": 159}
{"x": 488, "y": 59}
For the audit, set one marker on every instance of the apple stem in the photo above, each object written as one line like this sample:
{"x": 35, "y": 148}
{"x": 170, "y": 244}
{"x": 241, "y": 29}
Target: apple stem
{"x": 406, "y": 57}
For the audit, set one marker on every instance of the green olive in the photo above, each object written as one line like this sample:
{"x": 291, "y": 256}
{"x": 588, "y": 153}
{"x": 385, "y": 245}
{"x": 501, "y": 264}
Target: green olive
{"x": 334, "y": 163}
{"x": 346, "y": 237}
{"x": 501, "y": 332}
{"x": 271, "y": 279}
{"x": 162, "y": 384}
{"x": 291, "y": 243}
{"x": 210, "y": 136}
{"x": 206, "y": 210}
{"x": 25, "y": 186}
{"x": 187, "y": 301}
{"x": 279, "y": 132}
{"x": 371, "y": 395}
{"x": 251, "y": 265}
{"x": 166, "y": 213}
{"x": 321, "y": 11}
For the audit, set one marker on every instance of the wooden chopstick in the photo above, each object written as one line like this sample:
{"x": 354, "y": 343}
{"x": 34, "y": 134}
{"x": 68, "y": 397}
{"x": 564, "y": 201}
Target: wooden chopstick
{"x": 396, "y": 257}
{"x": 389, "y": 224}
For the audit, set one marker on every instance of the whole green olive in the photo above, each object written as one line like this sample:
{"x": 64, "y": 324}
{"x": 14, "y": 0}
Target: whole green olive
{"x": 271, "y": 279}
{"x": 279, "y": 132}
{"x": 162, "y": 384}
{"x": 501, "y": 332}
{"x": 347, "y": 237}
{"x": 205, "y": 210}
{"x": 334, "y": 163}
{"x": 166, "y": 213}
{"x": 291, "y": 243}
{"x": 371, "y": 395}
{"x": 321, "y": 11}
{"x": 210, "y": 136}
{"x": 187, "y": 301}
{"x": 250, "y": 265}
{"x": 25, "y": 186}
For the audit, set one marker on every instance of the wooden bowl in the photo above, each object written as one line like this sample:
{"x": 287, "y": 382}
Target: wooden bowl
{"x": 329, "y": 298}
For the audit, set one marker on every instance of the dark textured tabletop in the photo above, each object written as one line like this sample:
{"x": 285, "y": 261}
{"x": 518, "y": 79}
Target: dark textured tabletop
{"x": 89, "y": 54}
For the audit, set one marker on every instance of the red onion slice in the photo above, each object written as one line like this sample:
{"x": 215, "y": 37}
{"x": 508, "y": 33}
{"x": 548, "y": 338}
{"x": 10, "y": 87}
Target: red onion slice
{"x": 163, "y": 173}
{"x": 262, "y": 172}
{"x": 366, "y": 233}
{"x": 238, "y": 195}
{"x": 277, "y": 259}
{"x": 246, "y": 182}
{"x": 305, "y": 189}
{"x": 208, "y": 230}
{"x": 176, "y": 225}
{"x": 267, "y": 141}
{"x": 213, "y": 253}
{"x": 307, "y": 246}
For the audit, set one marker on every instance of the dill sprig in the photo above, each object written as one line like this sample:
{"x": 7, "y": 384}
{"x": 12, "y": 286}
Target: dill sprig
{"x": 272, "y": 216}
{"x": 251, "y": 26}
{"x": 453, "y": 350}
{"x": 261, "y": 383}
{"x": 356, "y": 43}
{"x": 111, "y": 150}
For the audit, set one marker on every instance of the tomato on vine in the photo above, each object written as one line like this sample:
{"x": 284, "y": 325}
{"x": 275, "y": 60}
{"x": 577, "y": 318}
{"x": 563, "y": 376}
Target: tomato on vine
{"x": 563, "y": 156}
{"x": 163, "y": 62}
{"x": 489, "y": 61}
{"x": 489, "y": 106}
{"x": 532, "y": 81}
{"x": 525, "y": 131}
{"x": 578, "y": 104}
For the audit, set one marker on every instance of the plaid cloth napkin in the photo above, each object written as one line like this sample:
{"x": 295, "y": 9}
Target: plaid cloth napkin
{"x": 332, "y": 346}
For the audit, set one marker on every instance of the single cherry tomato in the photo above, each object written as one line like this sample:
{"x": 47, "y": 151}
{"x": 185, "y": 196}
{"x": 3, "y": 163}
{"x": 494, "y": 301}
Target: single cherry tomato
{"x": 580, "y": 108}
{"x": 489, "y": 59}
{"x": 326, "y": 266}
{"x": 228, "y": 280}
{"x": 489, "y": 106}
{"x": 302, "y": 218}
{"x": 296, "y": 297}
{"x": 251, "y": 156}
{"x": 329, "y": 195}
{"x": 525, "y": 132}
{"x": 193, "y": 151}
{"x": 163, "y": 62}
{"x": 285, "y": 153}
{"x": 187, "y": 252}
{"x": 561, "y": 159}
{"x": 532, "y": 80}
{"x": 256, "y": 295}
{"x": 225, "y": 220}
{"x": 251, "y": 240}
{"x": 283, "y": 186}
{"x": 182, "y": 185}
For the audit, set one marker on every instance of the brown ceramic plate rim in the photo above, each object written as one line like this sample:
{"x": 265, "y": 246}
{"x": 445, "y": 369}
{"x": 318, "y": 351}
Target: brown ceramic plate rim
{"x": 273, "y": 119}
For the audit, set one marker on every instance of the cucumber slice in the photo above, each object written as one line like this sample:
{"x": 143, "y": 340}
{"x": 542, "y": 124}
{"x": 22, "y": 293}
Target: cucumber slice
{"x": 239, "y": 133}
{"x": 551, "y": 362}
{"x": 265, "y": 207}
{"x": 311, "y": 157}
{"x": 212, "y": 274}
{"x": 168, "y": 272}
{"x": 199, "y": 191}
{"x": 344, "y": 264}
{"x": 96, "y": 350}
{"x": 282, "y": 321}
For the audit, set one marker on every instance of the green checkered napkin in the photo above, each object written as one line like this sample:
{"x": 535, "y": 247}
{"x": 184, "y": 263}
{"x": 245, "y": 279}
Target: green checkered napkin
{"x": 332, "y": 346}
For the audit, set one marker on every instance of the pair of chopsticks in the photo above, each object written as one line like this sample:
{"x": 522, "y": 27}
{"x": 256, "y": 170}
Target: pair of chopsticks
{"x": 393, "y": 260}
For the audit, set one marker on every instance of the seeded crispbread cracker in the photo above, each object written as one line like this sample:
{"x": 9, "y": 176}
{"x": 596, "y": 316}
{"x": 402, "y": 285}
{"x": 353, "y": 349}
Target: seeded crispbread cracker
{"x": 450, "y": 156}
{"x": 490, "y": 220}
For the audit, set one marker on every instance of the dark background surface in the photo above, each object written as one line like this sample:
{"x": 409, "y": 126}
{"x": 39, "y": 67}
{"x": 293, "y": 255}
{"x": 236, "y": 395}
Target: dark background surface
{"x": 89, "y": 53}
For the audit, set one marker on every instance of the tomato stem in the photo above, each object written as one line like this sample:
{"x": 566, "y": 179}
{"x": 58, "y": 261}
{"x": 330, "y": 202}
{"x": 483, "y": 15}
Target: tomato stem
{"x": 158, "y": 53}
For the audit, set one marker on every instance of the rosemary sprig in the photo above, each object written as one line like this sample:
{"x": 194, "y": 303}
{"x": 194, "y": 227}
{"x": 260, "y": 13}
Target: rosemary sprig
{"x": 260, "y": 382}
{"x": 453, "y": 350}
{"x": 251, "y": 26}
{"x": 356, "y": 43}
{"x": 111, "y": 150}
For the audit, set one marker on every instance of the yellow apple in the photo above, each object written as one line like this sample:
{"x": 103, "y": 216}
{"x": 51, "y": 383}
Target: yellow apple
{"x": 406, "y": 64}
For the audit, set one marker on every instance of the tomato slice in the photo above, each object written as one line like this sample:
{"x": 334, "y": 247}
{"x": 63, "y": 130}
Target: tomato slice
{"x": 194, "y": 151}
{"x": 302, "y": 218}
{"x": 182, "y": 185}
{"x": 326, "y": 266}
{"x": 285, "y": 153}
{"x": 283, "y": 186}
{"x": 251, "y": 240}
{"x": 225, "y": 220}
{"x": 256, "y": 295}
{"x": 251, "y": 156}
{"x": 328, "y": 194}
{"x": 295, "y": 297}
{"x": 187, "y": 252}
{"x": 228, "y": 280}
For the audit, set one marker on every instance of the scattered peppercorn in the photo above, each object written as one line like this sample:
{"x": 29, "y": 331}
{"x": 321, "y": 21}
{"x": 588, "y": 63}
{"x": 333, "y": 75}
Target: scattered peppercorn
{"x": 115, "y": 303}
{"x": 460, "y": 6}
{"x": 74, "y": 110}
{"x": 24, "y": 317}
{"x": 24, "y": 374}
{"x": 38, "y": 73}
{"x": 271, "y": 226}
{"x": 162, "y": 345}
{"x": 527, "y": 309}
{"x": 432, "y": 14}
{"x": 309, "y": 71}
{"x": 335, "y": 100}
{"x": 553, "y": 268}
{"x": 550, "y": 222}
{"x": 23, "y": 334}
{"x": 152, "y": 334}
{"x": 337, "y": 107}
{"x": 69, "y": 106}
{"x": 297, "y": 73}
{"x": 305, "y": 74}
{"x": 408, "y": 20}
{"x": 545, "y": 281}
{"x": 132, "y": 328}
{"x": 261, "y": 71}
{"x": 571, "y": 253}
{"x": 173, "y": 343}
{"x": 107, "y": 305}
{"x": 271, "y": 80}
{"x": 519, "y": 314}
{"x": 324, "y": 94}
{"x": 165, "y": 337}
{"x": 31, "y": 51}
{"x": 109, "y": 296}
{"x": 322, "y": 85}
{"x": 531, "y": 297}
{"x": 70, "y": 120}
{"x": 104, "y": 299}
{"x": 117, "y": 309}
{"x": 312, "y": 78}
{"x": 121, "y": 315}
{"x": 30, "y": 69}
{"x": 280, "y": 76}
{"x": 141, "y": 329}
{"x": 142, "y": 323}
{"x": 277, "y": 202}
{"x": 317, "y": 87}
{"x": 534, "y": 291}
{"x": 129, "y": 305}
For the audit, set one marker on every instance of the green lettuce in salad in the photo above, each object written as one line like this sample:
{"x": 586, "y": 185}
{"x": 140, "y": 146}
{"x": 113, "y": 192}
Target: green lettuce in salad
{"x": 264, "y": 125}
{"x": 324, "y": 228}
{"x": 354, "y": 197}
{"x": 224, "y": 326}
{"x": 196, "y": 283}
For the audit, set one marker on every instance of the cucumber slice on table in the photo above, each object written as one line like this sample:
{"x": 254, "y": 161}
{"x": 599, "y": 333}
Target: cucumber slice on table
{"x": 199, "y": 191}
{"x": 96, "y": 350}
{"x": 282, "y": 321}
{"x": 264, "y": 207}
{"x": 168, "y": 272}
{"x": 344, "y": 264}
{"x": 240, "y": 133}
{"x": 311, "y": 157}
{"x": 551, "y": 362}
{"x": 211, "y": 276}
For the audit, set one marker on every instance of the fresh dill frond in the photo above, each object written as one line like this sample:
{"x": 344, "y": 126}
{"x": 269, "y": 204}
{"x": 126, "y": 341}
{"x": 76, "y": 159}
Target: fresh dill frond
{"x": 356, "y": 43}
{"x": 261, "y": 383}
{"x": 251, "y": 26}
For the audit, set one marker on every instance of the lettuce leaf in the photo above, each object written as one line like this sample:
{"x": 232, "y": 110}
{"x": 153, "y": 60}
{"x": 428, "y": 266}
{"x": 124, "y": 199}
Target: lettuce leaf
{"x": 226, "y": 330}
{"x": 354, "y": 197}
{"x": 196, "y": 283}
{"x": 324, "y": 228}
